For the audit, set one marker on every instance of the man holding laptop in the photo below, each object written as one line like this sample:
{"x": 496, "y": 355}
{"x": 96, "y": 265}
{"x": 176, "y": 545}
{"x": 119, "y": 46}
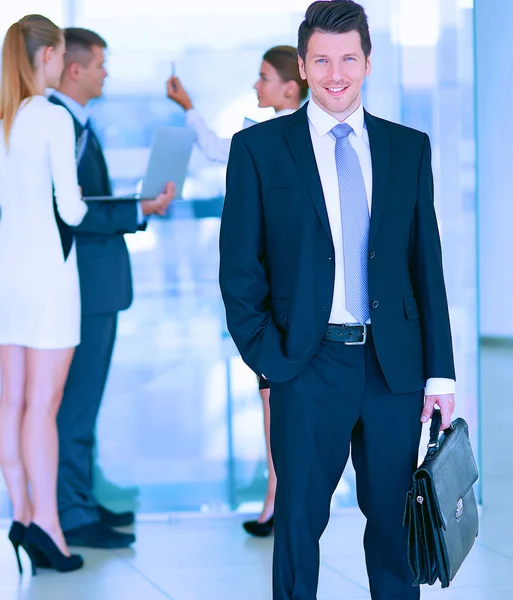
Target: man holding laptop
{"x": 106, "y": 289}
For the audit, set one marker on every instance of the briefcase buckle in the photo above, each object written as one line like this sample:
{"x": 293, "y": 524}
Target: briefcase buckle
{"x": 364, "y": 338}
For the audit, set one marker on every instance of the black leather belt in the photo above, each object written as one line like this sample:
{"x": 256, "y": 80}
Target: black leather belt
{"x": 351, "y": 335}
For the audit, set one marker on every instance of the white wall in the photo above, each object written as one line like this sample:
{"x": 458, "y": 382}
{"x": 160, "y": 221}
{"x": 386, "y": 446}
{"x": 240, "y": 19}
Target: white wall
{"x": 494, "y": 61}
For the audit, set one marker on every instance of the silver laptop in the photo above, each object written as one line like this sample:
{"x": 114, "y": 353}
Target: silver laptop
{"x": 169, "y": 160}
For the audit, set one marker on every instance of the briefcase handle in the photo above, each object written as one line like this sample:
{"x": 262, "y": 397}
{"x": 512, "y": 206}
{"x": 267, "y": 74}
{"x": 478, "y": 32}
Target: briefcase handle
{"x": 434, "y": 433}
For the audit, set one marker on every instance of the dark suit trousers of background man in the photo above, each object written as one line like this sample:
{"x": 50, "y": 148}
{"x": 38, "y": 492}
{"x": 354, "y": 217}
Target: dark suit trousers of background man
{"x": 105, "y": 288}
{"x": 77, "y": 417}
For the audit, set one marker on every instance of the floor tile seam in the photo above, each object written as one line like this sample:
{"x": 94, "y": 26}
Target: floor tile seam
{"x": 337, "y": 572}
{"x": 144, "y": 576}
{"x": 220, "y": 565}
{"x": 494, "y": 551}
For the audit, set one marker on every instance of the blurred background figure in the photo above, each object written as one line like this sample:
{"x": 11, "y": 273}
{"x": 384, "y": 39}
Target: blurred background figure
{"x": 279, "y": 86}
{"x": 39, "y": 284}
{"x": 106, "y": 287}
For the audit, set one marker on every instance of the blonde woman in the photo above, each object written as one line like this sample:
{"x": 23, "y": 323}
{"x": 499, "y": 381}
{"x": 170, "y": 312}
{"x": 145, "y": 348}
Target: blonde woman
{"x": 39, "y": 286}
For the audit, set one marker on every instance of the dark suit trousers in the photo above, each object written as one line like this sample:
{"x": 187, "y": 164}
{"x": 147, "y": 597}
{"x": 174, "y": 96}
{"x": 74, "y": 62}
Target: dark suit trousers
{"x": 341, "y": 401}
{"x": 77, "y": 416}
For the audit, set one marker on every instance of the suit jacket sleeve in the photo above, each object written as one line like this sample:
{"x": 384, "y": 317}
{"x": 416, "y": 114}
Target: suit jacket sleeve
{"x": 110, "y": 218}
{"x": 243, "y": 278}
{"x": 428, "y": 279}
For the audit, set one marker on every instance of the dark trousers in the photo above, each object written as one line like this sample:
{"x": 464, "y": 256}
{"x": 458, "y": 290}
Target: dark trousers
{"x": 76, "y": 420}
{"x": 341, "y": 401}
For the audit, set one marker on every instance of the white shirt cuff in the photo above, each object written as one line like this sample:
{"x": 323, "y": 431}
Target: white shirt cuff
{"x": 192, "y": 117}
{"x": 437, "y": 386}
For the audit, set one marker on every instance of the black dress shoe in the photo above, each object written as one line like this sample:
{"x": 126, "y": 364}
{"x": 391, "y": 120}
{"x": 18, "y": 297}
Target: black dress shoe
{"x": 259, "y": 529}
{"x": 98, "y": 535}
{"x": 112, "y": 519}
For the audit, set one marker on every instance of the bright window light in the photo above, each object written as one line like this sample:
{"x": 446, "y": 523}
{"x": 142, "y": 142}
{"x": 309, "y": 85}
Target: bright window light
{"x": 415, "y": 22}
{"x": 14, "y": 11}
{"x": 135, "y": 8}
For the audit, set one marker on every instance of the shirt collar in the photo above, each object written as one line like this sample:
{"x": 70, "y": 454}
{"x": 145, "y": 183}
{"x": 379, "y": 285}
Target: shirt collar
{"x": 284, "y": 112}
{"x": 80, "y": 112}
{"x": 323, "y": 122}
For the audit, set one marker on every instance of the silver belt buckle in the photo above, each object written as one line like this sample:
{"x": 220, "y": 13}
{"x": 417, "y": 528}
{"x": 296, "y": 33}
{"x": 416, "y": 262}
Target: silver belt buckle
{"x": 363, "y": 340}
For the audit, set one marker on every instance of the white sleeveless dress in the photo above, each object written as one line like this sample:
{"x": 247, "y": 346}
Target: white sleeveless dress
{"x": 39, "y": 290}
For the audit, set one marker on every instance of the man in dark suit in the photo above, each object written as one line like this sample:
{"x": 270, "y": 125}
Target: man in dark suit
{"x": 331, "y": 273}
{"x": 106, "y": 289}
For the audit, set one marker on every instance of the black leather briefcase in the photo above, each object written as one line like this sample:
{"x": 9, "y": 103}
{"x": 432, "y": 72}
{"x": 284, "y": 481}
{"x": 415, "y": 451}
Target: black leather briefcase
{"x": 441, "y": 511}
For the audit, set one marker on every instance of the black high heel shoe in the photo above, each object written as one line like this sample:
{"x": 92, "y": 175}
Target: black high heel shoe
{"x": 17, "y": 537}
{"x": 38, "y": 541}
{"x": 259, "y": 529}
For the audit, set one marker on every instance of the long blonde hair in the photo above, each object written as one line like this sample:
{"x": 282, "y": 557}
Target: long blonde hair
{"x": 22, "y": 42}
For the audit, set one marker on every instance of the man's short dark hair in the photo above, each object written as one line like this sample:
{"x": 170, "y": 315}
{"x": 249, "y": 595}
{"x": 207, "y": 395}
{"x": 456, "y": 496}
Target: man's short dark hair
{"x": 334, "y": 16}
{"x": 80, "y": 43}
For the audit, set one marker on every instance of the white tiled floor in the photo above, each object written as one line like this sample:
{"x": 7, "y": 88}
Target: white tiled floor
{"x": 210, "y": 558}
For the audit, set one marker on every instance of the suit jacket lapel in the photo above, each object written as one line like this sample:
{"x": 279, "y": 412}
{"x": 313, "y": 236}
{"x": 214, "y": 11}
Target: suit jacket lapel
{"x": 379, "y": 141}
{"x": 300, "y": 144}
{"x": 101, "y": 158}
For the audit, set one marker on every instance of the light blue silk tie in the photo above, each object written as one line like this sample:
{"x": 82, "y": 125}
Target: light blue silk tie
{"x": 354, "y": 210}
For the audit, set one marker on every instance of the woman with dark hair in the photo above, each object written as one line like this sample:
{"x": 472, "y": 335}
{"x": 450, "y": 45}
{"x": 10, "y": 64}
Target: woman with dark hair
{"x": 279, "y": 86}
{"x": 39, "y": 286}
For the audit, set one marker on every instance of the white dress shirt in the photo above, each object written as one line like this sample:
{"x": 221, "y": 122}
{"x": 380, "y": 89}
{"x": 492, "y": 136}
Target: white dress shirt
{"x": 81, "y": 114}
{"x": 212, "y": 146}
{"x": 321, "y": 123}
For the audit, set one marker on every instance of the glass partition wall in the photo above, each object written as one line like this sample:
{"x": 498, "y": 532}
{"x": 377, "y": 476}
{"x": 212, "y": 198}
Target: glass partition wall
{"x": 181, "y": 423}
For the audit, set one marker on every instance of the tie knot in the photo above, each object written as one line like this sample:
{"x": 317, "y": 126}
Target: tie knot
{"x": 342, "y": 130}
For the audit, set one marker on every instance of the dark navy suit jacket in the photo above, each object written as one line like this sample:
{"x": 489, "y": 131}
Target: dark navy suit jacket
{"x": 102, "y": 254}
{"x": 277, "y": 264}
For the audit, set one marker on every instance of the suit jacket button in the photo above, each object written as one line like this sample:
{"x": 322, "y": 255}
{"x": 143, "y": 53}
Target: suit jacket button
{"x": 375, "y": 304}
{"x": 372, "y": 255}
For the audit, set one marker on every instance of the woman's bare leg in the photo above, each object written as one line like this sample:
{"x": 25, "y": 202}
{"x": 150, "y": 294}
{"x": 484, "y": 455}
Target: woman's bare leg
{"x": 12, "y": 411}
{"x": 47, "y": 371}
{"x": 268, "y": 510}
